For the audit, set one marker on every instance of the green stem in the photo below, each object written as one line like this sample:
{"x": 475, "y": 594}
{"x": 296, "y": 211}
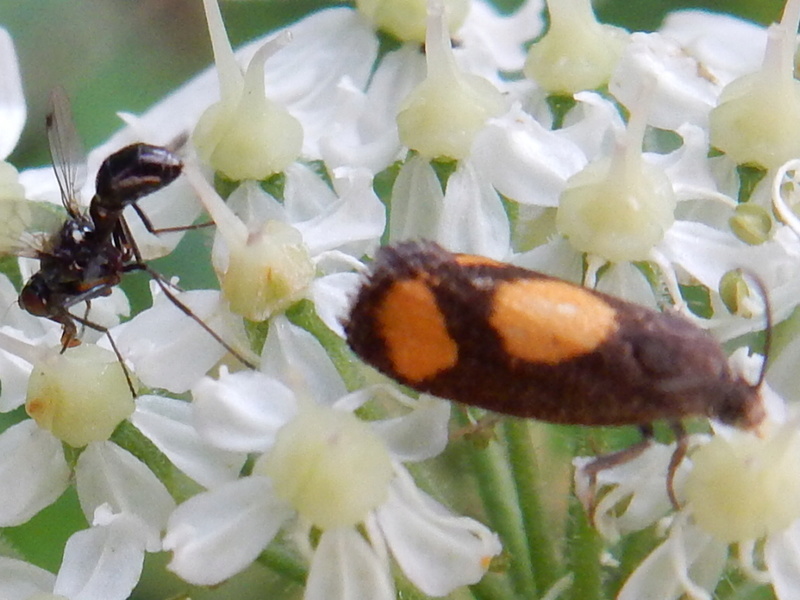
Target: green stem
{"x": 285, "y": 563}
{"x": 583, "y": 555}
{"x": 525, "y": 471}
{"x": 304, "y": 315}
{"x": 496, "y": 488}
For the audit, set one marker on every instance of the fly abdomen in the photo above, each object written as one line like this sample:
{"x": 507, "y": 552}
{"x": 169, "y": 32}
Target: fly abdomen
{"x": 133, "y": 172}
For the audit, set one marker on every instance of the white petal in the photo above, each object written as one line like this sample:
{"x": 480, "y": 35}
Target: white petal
{"x": 332, "y": 295}
{"x": 216, "y": 534}
{"x": 707, "y": 254}
{"x": 679, "y": 92}
{"x": 437, "y": 550}
{"x": 688, "y": 167}
{"x": 173, "y": 206}
{"x": 416, "y": 201}
{"x": 33, "y": 472}
{"x": 473, "y": 218}
{"x": 303, "y": 76}
{"x": 20, "y": 580}
{"x": 107, "y": 474}
{"x": 168, "y": 349}
{"x": 364, "y": 133}
{"x": 102, "y": 563}
{"x": 524, "y": 161}
{"x": 497, "y": 39}
{"x": 782, "y": 557}
{"x": 305, "y": 194}
{"x": 168, "y": 424}
{"x": 692, "y": 559}
{"x": 295, "y": 357}
{"x": 241, "y": 412}
{"x": 557, "y": 258}
{"x": 725, "y": 46}
{"x": 635, "y": 491}
{"x": 628, "y": 282}
{"x": 345, "y": 567}
{"x": 419, "y": 435}
{"x": 254, "y": 206}
{"x": 12, "y": 100}
{"x": 593, "y": 125}
{"x": 14, "y": 373}
{"x": 353, "y": 223}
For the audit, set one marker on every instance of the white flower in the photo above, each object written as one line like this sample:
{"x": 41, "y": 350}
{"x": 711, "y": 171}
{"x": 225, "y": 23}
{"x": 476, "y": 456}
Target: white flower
{"x": 736, "y": 488}
{"x": 327, "y": 470}
{"x": 322, "y": 229}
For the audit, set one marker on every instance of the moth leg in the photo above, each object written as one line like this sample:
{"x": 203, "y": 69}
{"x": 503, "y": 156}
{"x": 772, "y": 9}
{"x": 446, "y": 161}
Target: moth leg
{"x": 607, "y": 461}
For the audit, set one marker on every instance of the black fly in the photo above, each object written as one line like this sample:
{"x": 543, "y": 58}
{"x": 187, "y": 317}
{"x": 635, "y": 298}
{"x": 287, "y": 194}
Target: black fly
{"x": 88, "y": 253}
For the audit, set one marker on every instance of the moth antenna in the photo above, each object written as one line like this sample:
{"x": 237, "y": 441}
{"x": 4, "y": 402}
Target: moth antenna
{"x": 768, "y": 322}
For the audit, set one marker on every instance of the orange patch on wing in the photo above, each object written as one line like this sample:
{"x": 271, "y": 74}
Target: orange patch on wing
{"x": 414, "y": 331}
{"x": 545, "y": 321}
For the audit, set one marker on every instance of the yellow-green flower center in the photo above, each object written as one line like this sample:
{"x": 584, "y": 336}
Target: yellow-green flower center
{"x": 330, "y": 466}
{"x": 744, "y": 488}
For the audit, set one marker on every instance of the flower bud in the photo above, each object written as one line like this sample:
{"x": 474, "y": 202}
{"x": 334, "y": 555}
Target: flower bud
{"x": 577, "y": 53}
{"x": 80, "y": 396}
{"x": 442, "y": 115}
{"x": 757, "y": 120}
{"x": 405, "y": 19}
{"x": 245, "y": 135}
{"x": 616, "y": 211}
{"x": 267, "y": 272}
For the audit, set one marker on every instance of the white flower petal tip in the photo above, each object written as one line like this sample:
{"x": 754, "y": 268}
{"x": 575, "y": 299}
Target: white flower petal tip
{"x": 33, "y": 471}
{"x": 108, "y": 475}
{"x": 346, "y": 566}
{"x": 437, "y": 550}
{"x": 12, "y": 100}
{"x": 241, "y": 412}
{"x": 295, "y": 357}
{"x": 419, "y": 435}
{"x": 217, "y": 534}
{"x": 20, "y": 580}
{"x": 104, "y": 561}
{"x": 169, "y": 349}
{"x": 168, "y": 424}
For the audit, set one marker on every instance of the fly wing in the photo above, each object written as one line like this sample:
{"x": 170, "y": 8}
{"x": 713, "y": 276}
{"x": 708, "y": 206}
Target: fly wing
{"x": 27, "y": 227}
{"x": 66, "y": 151}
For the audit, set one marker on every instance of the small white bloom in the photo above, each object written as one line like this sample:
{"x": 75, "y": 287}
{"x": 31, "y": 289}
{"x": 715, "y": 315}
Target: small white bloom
{"x": 325, "y": 467}
{"x": 736, "y": 488}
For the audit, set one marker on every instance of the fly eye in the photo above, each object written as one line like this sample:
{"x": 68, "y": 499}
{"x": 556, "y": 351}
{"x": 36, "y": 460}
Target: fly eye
{"x": 34, "y": 298}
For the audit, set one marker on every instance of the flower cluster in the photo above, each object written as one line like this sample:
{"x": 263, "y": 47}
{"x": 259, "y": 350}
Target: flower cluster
{"x": 231, "y": 426}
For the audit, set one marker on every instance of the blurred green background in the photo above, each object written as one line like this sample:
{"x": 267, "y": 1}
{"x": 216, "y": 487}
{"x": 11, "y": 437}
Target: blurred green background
{"x": 115, "y": 55}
